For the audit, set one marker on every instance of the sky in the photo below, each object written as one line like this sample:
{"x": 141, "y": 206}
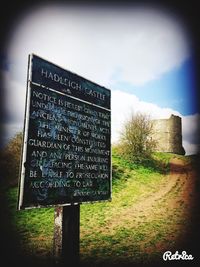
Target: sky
{"x": 143, "y": 54}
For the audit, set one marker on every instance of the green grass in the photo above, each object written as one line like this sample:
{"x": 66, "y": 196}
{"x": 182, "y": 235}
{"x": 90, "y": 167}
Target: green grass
{"x": 110, "y": 231}
{"x": 100, "y": 222}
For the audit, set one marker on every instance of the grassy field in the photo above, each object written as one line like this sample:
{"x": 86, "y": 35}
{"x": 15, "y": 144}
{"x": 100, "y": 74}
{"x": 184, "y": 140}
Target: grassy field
{"x": 147, "y": 216}
{"x": 137, "y": 226}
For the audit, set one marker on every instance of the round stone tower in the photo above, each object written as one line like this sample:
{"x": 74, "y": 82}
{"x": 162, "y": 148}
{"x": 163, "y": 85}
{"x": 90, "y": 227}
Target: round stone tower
{"x": 175, "y": 137}
{"x": 168, "y": 135}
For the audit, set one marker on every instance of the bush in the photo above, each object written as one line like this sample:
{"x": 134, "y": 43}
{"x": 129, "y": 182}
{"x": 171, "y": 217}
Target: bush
{"x": 136, "y": 143}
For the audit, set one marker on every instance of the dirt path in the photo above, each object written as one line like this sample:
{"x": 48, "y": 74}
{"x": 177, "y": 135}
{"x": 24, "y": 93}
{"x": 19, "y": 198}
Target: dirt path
{"x": 145, "y": 207}
{"x": 177, "y": 189}
{"x": 164, "y": 217}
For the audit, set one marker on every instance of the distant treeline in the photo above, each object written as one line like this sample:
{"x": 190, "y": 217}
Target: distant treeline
{"x": 10, "y": 161}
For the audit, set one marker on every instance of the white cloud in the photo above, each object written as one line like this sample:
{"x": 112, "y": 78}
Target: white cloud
{"x": 140, "y": 44}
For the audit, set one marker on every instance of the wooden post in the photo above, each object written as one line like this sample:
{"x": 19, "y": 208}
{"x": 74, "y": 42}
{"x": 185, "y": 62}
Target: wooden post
{"x": 67, "y": 235}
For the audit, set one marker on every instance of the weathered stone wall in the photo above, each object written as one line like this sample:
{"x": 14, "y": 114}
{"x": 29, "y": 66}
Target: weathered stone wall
{"x": 168, "y": 135}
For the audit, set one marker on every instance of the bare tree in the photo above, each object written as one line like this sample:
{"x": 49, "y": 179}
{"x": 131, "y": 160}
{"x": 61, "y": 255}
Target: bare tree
{"x": 136, "y": 142}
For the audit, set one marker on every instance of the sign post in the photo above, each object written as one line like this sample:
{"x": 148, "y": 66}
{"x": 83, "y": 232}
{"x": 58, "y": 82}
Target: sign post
{"x": 71, "y": 234}
{"x": 66, "y": 155}
{"x": 67, "y": 235}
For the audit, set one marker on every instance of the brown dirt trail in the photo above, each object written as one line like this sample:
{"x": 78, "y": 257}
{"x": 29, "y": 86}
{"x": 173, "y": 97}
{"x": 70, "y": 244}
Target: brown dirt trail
{"x": 178, "y": 188}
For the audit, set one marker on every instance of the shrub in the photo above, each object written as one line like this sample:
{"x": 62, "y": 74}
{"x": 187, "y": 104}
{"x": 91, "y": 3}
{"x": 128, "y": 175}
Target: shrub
{"x": 136, "y": 143}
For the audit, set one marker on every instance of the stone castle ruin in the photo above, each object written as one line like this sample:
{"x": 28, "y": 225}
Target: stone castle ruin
{"x": 168, "y": 135}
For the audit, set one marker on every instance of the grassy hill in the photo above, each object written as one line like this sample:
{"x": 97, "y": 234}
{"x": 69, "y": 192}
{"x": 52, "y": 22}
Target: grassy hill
{"x": 148, "y": 215}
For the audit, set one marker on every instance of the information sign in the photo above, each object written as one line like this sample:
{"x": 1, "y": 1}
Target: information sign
{"x": 66, "y": 155}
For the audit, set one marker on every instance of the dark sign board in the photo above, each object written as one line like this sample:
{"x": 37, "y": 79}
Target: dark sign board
{"x": 66, "y": 155}
{"x": 51, "y": 76}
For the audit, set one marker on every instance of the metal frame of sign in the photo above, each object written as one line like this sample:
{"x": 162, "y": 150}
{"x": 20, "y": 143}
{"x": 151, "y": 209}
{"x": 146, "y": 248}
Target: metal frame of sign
{"x": 31, "y": 83}
{"x": 25, "y": 137}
